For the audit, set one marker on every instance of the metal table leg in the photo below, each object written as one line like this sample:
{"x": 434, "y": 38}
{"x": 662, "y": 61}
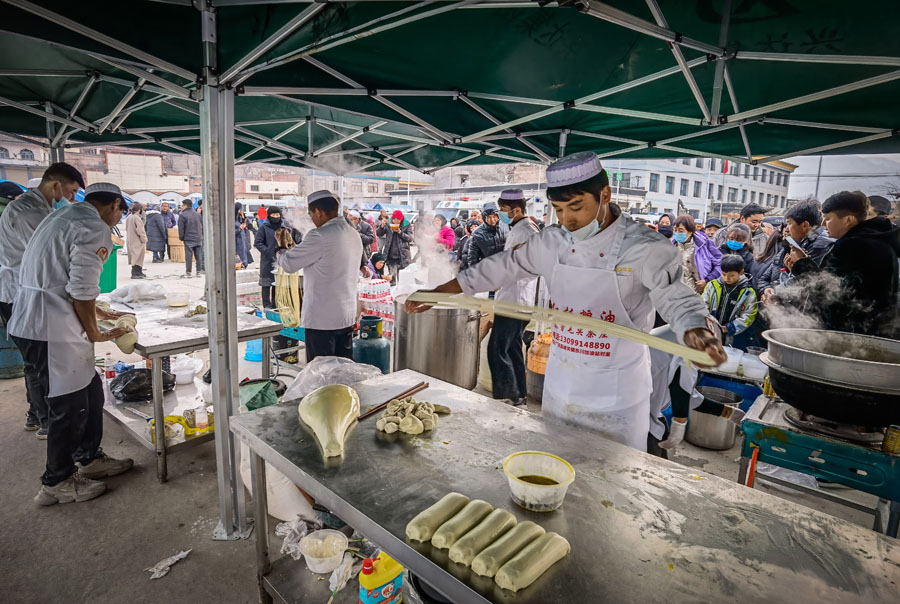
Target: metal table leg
{"x": 260, "y": 501}
{"x": 893, "y": 520}
{"x": 266, "y": 358}
{"x": 159, "y": 414}
{"x": 742, "y": 472}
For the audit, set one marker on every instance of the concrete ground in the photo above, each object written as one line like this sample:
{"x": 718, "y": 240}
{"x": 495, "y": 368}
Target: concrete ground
{"x": 97, "y": 551}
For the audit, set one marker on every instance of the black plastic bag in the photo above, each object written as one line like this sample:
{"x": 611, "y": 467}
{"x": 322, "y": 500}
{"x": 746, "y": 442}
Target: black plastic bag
{"x": 134, "y": 385}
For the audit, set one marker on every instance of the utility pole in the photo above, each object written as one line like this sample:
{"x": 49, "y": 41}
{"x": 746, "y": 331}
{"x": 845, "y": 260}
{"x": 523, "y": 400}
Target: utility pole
{"x": 818, "y": 177}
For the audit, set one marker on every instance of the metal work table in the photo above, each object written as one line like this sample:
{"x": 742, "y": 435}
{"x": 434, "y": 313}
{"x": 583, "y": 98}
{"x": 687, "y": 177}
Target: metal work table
{"x": 165, "y": 331}
{"x": 641, "y": 528}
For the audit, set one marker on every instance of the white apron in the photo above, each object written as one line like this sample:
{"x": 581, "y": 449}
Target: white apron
{"x": 593, "y": 380}
{"x": 70, "y": 355}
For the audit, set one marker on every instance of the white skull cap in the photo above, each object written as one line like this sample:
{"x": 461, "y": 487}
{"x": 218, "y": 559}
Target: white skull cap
{"x": 102, "y": 187}
{"x": 354, "y": 213}
{"x": 321, "y": 195}
{"x": 512, "y": 194}
{"x": 34, "y": 182}
{"x": 573, "y": 169}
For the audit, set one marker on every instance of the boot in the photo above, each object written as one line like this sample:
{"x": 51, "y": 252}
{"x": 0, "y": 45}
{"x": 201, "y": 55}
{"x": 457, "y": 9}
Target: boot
{"x": 136, "y": 272}
{"x": 267, "y": 297}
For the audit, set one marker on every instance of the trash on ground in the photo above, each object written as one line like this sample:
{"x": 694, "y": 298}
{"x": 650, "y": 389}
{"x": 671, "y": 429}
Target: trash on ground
{"x": 161, "y": 568}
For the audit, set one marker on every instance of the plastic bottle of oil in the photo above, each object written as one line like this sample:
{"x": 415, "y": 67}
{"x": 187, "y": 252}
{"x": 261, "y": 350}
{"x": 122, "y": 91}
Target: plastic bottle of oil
{"x": 381, "y": 581}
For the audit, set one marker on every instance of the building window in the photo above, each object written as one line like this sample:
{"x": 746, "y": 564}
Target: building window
{"x": 254, "y": 188}
{"x": 747, "y": 171}
{"x": 784, "y": 180}
{"x": 709, "y": 192}
{"x": 764, "y": 176}
{"x": 772, "y": 177}
{"x": 697, "y": 186}
{"x": 768, "y": 199}
{"x": 684, "y": 187}
{"x": 686, "y": 161}
{"x": 626, "y": 179}
{"x": 4, "y": 153}
{"x": 26, "y": 154}
{"x": 778, "y": 179}
{"x": 372, "y": 187}
{"x": 732, "y": 194}
{"x": 744, "y": 196}
{"x": 712, "y": 164}
{"x": 719, "y": 193}
{"x": 654, "y": 182}
{"x": 782, "y": 201}
{"x": 755, "y": 172}
{"x": 670, "y": 185}
{"x": 752, "y": 196}
{"x": 699, "y": 164}
{"x": 355, "y": 186}
{"x": 735, "y": 169}
{"x": 389, "y": 188}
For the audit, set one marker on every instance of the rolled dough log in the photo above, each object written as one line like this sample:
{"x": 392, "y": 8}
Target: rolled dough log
{"x": 423, "y": 526}
{"x": 532, "y": 562}
{"x": 474, "y": 512}
{"x": 470, "y": 545}
{"x": 489, "y": 561}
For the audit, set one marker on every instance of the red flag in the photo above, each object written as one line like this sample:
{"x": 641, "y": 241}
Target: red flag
{"x": 725, "y": 167}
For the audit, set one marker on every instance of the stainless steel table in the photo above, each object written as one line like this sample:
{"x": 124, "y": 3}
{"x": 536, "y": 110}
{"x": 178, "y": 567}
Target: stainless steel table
{"x": 163, "y": 332}
{"x": 642, "y": 529}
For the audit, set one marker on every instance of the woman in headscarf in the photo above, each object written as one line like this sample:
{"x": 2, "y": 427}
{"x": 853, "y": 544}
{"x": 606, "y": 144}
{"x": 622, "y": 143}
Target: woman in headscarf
{"x": 376, "y": 267}
{"x": 241, "y": 247}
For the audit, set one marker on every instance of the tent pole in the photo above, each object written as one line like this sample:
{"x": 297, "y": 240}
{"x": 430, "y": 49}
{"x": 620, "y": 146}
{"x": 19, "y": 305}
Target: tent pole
{"x": 349, "y": 137}
{"x": 815, "y": 58}
{"x": 629, "y": 21}
{"x": 217, "y": 152}
{"x": 465, "y": 99}
{"x": 563, "y": 139}
{"x": 121, "y": 105}
{"x": 734, "y": 102}
{"x": 866, "y": 129}
{"x": 43, "y": 114}
{"x": 55, "y": 141}
{"x": 55, "y": 151}
{"x": 720, "y": 64}
{"x": 822, "y": 148}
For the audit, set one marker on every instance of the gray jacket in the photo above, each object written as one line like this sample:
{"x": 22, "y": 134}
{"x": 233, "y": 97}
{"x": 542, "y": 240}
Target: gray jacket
{"x": 190, "y": 228}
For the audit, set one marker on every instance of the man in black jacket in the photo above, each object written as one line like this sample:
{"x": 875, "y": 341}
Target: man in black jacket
{"x": 489, "y": 238}
{"x": 397, "y": 238}
{"x": 190, "y": 231}
{"x": 267, "y": 243}
{"x": 366, "y": 232}
{"x": 864, "y": 258}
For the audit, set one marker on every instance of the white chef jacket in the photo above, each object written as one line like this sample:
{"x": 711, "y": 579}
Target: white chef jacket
{"x": 330, "y": 258}
{"x": 522, "y": 291}
{"x": 662, "y": 369}
{"x": 18, "y": 222}
{"x": 648, "y": 271}
{"x": 67, "y": 251}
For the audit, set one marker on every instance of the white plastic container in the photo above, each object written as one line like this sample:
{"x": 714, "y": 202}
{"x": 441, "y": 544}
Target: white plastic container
{"x": 178, "y": 299}
{"x": 185, "y": 369}
{"x": 323, "y": 550}
{"x": 735, "y": 357}
{"x": 538, "y": 497}
{"x": 754, "y": 368}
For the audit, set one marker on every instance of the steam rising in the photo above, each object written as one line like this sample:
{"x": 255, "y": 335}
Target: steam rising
{"x": 433, "y": 259}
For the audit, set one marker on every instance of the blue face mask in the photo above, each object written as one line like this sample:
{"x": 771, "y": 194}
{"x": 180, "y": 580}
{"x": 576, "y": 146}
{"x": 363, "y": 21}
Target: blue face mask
{"x": 680, "y": 237}
{"x": 734, "y": 245}
{"x": 60, "y": 204}
{"x": 504, "y": 218}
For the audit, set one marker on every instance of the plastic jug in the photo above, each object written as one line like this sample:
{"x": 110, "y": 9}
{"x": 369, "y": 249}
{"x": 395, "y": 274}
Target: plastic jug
{"x": 381, "y": 581}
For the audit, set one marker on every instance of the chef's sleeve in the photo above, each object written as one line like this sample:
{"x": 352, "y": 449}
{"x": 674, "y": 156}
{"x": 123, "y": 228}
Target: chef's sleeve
{"x": 305, "y": 254}
{"x": 677, "y": 303}
{"x": 87, "y": 253}
{"x": 505, "y": 268}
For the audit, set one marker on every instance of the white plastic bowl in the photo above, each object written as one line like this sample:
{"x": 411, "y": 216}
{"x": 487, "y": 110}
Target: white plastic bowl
{"x": 754, "y": 368}
{"x": 734, "y": 360}
{"x": 323, "y": 550}
{"x": 185, "y": 372}
{"x": 538, "y": 497}
{"x": 177, "y": 299}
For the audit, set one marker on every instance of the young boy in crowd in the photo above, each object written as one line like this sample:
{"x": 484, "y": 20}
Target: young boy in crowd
{"x": 730, "y": 298}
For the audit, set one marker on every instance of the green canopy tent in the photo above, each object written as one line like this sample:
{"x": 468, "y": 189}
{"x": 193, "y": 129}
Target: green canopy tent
{"x": 371, "y": 85}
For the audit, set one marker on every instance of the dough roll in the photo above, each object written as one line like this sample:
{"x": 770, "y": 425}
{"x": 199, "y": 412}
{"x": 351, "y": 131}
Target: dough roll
{"x": 449, "y": 532}
{"x": 532, "y": 562}
{"x": 489, "y": 561}
{"x": 423, "y": 526}
{"x": 470, "y": 545}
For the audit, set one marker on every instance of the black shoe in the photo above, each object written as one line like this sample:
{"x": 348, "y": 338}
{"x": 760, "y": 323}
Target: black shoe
{"x": 32, "y": 423}
{"x": 138, "y": 276}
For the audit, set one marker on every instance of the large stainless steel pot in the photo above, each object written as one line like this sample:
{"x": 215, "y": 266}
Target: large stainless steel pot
{"x": 711, "y": 431}
{"x": 442, "y": 342}
{"x": 855, "y": 360}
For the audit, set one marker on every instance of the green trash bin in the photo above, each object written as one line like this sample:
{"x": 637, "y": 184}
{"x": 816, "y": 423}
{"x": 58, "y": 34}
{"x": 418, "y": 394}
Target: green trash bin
{"x": 108, "y": 278}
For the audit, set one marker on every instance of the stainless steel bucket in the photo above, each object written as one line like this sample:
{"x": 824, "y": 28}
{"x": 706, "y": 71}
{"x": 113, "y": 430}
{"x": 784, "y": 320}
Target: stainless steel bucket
{"x": 710, "y": 431}
{"x": 442, "y": 343}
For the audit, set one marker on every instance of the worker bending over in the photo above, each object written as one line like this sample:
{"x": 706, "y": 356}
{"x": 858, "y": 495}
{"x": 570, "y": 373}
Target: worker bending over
{"x": 55, "y": 316}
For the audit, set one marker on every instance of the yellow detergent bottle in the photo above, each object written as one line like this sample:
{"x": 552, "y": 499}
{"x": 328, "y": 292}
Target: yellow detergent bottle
{"x": 381, "y": 581}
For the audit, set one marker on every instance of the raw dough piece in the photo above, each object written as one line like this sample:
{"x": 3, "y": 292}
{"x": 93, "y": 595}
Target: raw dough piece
{"x": 469, "y": 545}
{"x": 412, "y": 425}
{"x": 380, "y": 424}
{"x": 474, "y": 512}
{"x": 391, "y": 427}
{"x": 443, "y": 409}
{"x": 423, "y": 526}
{"x": 330, "y": 411}
{"x": 489, "y": 561}
{"x": 126, "y": 320}
{"x": 532, "y": 562}
{"x": 127, "y": 342}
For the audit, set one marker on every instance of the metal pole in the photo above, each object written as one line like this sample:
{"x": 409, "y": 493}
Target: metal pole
{"x": 720, "y": 65}
{"x": 217, "y": 151}
{"x": 818, "y": 176}
{"x": 53, "y": 154}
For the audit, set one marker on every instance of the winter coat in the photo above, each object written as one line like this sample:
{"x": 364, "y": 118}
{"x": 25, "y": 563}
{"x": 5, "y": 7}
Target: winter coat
{"x": 367, "y": 234}
{"x": 447, "y": 237}
{"x": 734, "y": 307}
{"x": 769, "y": 273}
{"x": 707, "y": 256}
{"x": 190, "y": 228}
{"x": 396, "y": 245}
{"x": 170, "y": 219}
{"x": 241, "y": 240}
{"x": 816, "y": 244}
{"x": 267, "y": 244}
{"x": 135, "y": 239}
{"x": 759, "y": 238}
{"x": 486, "y": 241}
{"x": 865, "y": 260}
{"x": 463, "y": 253}
{"x": 157, "y": 235}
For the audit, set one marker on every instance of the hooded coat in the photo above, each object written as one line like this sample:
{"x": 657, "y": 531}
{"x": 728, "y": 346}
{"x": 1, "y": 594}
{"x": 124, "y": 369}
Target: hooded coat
{"x": 396, "y": 243}
{"x": 157, "y": 236}
{"x": 267, "y": 244}
{"x": 486, "y": 241}
{"x": 707, "y": 256}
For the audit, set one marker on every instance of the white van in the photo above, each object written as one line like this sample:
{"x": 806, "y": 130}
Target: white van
{"x": 459, "y": 209}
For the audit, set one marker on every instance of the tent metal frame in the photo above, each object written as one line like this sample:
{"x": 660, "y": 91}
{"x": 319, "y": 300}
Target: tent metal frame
{"x": 211, "y": 95}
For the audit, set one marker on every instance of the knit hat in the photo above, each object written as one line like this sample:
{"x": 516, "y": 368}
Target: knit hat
{"x": 397, "y": 214}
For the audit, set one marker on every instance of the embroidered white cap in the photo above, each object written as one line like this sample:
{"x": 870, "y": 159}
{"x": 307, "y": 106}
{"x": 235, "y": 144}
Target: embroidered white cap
{"x": 573, "y": 169}
{"x": 354, "y": 214}
{"x": 321, "y": 195}
{"x": 103, "y": 187}
{"x": 512, "y": 194}
{"x": 34, "y": 182}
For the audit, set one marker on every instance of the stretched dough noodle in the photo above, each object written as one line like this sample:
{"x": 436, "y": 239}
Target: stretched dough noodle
{"x": 532, "y": 562}
{"x": 423, "y": 526}
{"x": 474, "y": 512}
{"x": 469, "y": 545}
{"x": 489, "y": 561}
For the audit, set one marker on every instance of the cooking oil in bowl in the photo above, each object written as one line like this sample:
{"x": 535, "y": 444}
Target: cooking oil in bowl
{"x": 534, "y": 479}
{"x": 538, "y": 481}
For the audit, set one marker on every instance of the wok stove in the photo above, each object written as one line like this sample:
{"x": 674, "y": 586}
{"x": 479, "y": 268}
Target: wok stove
{"x": 847, "y": 455}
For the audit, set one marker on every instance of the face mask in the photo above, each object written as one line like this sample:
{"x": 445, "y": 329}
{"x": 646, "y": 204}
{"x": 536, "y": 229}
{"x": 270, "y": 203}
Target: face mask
{"x": 665, "y": 231}
{"x": 734, "y": 245}
{"x": 504, "y": 218}
{"x": 680, "y": 237}
{"x": 588, "y": 230}
{"x": 275, "y": 221}
{"x": 60, "y": 204}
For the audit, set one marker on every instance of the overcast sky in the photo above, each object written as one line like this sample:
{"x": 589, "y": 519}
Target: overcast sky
{"x": 871, "y": 174}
